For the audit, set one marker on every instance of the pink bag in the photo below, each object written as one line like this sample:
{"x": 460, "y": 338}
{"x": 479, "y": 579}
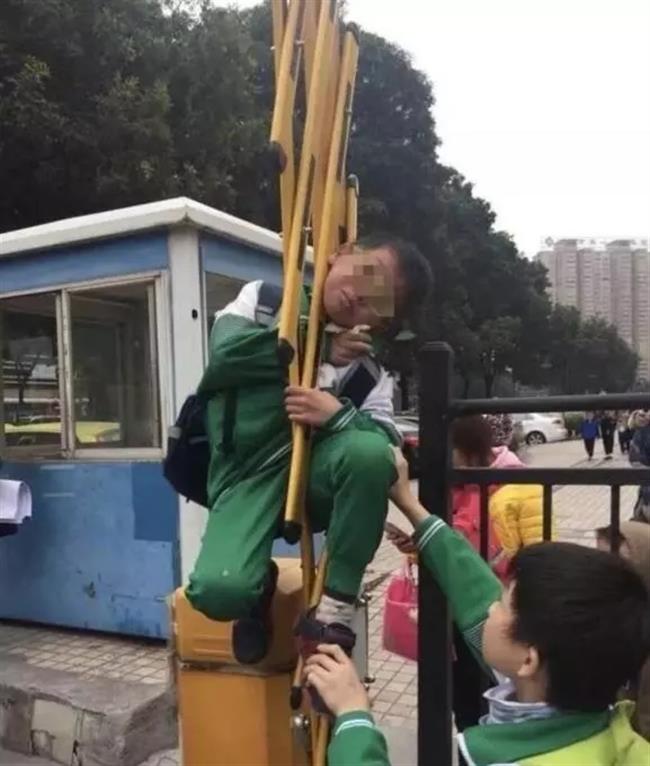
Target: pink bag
{"x": 400, "y": 614}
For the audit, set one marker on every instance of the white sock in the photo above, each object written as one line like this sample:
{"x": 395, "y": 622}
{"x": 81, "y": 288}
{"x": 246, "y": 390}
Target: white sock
{"x": 330, "y": 610}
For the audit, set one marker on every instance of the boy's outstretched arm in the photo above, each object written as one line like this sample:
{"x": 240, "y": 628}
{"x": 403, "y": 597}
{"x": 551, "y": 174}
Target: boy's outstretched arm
{"x": 467, "y": 581}
{"x": 356, "y": 741}
{"x": 240, "y": 350}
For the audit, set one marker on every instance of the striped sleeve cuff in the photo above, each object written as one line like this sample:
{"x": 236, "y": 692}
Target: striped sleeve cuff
{"x": 358, "y": 719}
{"x": 427, "y": 531}
{"x": 342, "y": 418}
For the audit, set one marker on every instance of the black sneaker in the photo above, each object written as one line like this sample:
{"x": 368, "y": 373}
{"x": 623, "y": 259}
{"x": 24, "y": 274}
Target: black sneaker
{"x": 251, "y": 636}
{"x": 312, "y": 632}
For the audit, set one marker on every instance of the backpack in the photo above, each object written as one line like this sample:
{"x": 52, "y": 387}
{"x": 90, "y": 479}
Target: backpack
{"x": 188, "y": 451}
{"x": 187, "y": 461}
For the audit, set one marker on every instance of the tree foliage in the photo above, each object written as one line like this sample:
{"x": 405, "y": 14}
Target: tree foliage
{"x": 587, "y": 356}
{"x": 104, "y": 105}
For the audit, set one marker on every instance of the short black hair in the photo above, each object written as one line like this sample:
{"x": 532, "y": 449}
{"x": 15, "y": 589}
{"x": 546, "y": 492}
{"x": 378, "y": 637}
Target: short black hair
{"x": 587, "y": 612}
{"x": 413, "y": 266}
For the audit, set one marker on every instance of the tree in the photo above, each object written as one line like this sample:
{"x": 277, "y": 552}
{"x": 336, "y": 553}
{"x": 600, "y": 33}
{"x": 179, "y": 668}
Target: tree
{"x": 587, "y": 356}
{"x": 78, "y": 79}
{"x": 498, "y": 342}
{"x": 108, "y": 104}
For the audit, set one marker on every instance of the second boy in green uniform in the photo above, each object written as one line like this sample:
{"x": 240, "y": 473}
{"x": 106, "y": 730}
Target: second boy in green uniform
{"x": 563, "y": 638}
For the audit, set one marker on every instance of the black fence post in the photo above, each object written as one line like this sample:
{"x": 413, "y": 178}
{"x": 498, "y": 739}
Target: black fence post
{"x": 434, "y": 628}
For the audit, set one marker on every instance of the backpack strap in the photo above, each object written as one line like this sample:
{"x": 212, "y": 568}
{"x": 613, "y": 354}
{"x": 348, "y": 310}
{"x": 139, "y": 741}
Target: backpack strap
{"x": 360, "y": 381}
{"x": 269, "y": 300}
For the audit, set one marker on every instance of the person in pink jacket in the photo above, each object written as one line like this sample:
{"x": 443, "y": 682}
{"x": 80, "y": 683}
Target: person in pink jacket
{"x": 473, "y": 439}
{"x": 473, "y": 446}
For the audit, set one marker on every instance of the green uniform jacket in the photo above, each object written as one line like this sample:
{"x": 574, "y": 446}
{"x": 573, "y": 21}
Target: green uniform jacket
{"x": 247, "y": 424}
{"x": 564, "y": 739}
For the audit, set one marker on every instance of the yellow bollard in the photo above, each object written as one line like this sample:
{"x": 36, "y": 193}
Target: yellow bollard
{"x": 231, "y": 715}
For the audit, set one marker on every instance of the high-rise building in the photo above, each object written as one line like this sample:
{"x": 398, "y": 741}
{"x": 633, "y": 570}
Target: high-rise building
{"x": 605, "y": 278}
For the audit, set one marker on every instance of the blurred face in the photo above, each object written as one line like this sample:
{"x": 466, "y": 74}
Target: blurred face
{"x": 500, "y": 651}
{"x": 363, "y": 287}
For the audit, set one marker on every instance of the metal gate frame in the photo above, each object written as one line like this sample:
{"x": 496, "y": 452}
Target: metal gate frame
{"x": 437, "y": 477}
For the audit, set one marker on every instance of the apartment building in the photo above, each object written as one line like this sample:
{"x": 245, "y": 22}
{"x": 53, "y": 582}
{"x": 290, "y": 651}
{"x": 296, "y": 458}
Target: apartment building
{"x": 605, "y": 278}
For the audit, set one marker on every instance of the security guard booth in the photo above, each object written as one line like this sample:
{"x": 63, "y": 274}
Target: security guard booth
{"x": 104, "y": 321}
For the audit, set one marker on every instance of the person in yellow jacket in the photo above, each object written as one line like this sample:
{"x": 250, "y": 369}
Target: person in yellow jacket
{"x": 517, "y": 516}
{"x": 516, "y": 511}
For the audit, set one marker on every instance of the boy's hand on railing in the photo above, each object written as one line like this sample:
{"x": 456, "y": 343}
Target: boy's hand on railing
{"x": 401, "y": 489}
{"x": 401, "y": 494}
{"x": 331, "y": 672}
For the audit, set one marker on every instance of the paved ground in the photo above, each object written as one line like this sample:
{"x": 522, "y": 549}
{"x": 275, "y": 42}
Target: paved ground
{"x": 577, "y": 510}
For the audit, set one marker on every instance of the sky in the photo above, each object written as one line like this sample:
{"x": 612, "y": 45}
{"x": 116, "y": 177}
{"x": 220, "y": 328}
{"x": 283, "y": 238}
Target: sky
{"x": 544, "y": 105}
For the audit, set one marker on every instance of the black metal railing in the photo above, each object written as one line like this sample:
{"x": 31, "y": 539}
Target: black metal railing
{"x": 437, "y": 477}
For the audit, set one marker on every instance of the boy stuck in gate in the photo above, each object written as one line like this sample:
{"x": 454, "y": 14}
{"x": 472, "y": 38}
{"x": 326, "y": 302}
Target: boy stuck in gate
{"x": 569, "y": 631}
{"x": 370, "y": 287}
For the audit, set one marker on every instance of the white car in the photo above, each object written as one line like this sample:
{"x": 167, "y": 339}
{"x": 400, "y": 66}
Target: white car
{"x": 541, "y": 428}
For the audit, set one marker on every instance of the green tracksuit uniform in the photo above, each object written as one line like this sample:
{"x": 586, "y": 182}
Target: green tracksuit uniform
{"x": 352, "y": 467}
{"x": 560, "y": 739}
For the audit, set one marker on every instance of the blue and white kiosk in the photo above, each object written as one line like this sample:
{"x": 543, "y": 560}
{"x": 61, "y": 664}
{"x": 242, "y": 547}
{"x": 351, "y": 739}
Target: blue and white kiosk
{"x": 104, "y": 322}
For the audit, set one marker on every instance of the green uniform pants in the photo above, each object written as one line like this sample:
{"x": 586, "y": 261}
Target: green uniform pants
{"x": 350, "y": 478}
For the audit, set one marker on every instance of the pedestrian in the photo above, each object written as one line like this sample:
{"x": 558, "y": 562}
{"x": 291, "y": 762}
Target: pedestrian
{"x": 624, "y": 432}
{"x": 502, "y": 429}
{"x": 589, "y": 432}
{"x": 476, "y": 443}
{"x": 607, "y": 431}
{"x": 640, "y": 455}
{"x": 637, "y": 420}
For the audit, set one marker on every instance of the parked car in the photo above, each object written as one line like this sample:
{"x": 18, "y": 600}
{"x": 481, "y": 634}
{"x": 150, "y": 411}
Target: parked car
{"x": 35, "y": 434}
{"x": 538, "y": 428}
{"x": 409, "y": 429}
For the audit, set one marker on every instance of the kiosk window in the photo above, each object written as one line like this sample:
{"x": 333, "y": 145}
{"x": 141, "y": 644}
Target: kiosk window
{"x": 114, "y": 367}
{"x": 80, "y": 371}
{"x": 30, "y": 373}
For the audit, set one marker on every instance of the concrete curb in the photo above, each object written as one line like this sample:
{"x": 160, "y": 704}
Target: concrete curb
{"x": 72, "y": 720}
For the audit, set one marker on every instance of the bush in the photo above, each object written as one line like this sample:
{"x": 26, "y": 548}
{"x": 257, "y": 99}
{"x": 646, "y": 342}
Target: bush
{"x": 572, "y": 422}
